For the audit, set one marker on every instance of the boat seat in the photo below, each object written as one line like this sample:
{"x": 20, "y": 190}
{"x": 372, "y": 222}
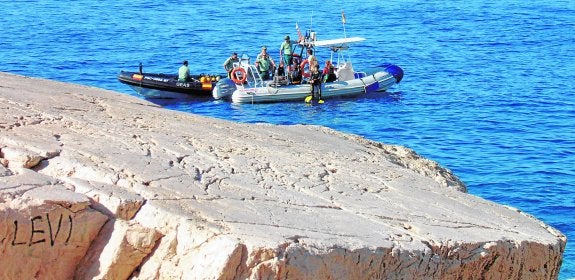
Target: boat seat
{"x": 345, "y": 72}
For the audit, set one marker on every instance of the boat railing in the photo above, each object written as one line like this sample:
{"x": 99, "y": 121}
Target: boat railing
{"x": 254, "y": 78}
{"x": 359, "y": 75}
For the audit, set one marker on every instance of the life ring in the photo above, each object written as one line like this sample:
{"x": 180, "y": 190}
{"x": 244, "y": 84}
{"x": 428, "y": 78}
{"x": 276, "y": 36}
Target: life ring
{"x": 235, "y": 78}
{"x": 302, "y": 67}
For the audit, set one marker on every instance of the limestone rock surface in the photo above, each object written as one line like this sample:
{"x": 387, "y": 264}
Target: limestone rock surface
{"x": 192, "y": 197}
{"x": 45, "y": 228}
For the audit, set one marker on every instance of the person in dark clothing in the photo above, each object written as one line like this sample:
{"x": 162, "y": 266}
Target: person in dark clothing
{"x": 315, "y": 81}
{"x": 328, "y": 72}
{"x": 295, "y": 73}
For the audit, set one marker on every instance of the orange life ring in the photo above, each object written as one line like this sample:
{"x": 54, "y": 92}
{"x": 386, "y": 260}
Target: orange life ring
{"x": 235, "y": 78}
{"x": 302, "y": 67}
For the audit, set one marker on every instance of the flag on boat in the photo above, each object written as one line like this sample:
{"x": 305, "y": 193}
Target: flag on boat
{"x": 342, "y": 17}
{"x": 299, "y": 36}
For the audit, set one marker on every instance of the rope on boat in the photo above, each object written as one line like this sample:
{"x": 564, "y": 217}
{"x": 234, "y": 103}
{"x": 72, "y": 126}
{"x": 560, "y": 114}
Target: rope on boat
{"x": 364, "y": 85}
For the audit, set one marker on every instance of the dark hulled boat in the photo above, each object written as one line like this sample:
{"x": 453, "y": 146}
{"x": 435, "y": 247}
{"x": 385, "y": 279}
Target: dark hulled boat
{"x": 153, "y": 85}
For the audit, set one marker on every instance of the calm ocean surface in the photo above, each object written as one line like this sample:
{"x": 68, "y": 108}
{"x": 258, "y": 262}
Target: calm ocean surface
{"x": 488, "y": 89}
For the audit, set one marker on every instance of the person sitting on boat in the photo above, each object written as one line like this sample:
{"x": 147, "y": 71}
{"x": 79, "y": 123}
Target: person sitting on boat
{"x": 229, "y": 63}
{"x": 329, "y": 72}
{"x": 295, "y": 75}
{"x": 265, "y": 64}
{"x": 286, "y": 51}
{"x": 280, "y": 76}
{"x": 184, "y": 72}
{"x": 281, "y": 71}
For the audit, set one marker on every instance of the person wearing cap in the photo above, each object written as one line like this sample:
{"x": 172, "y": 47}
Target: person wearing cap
{"x": 286, "y": 50}
{"x": 229, "y": 63}
{"x": 184, "y": 72}
{"x": 265, "y": 64}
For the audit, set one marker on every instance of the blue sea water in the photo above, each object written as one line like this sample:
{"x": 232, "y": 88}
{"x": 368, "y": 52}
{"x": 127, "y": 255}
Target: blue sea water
{"x": 488, "y": 89}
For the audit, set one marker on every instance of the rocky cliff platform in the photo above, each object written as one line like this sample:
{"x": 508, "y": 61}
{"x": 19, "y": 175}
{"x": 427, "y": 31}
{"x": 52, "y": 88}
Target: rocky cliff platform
{"x": 96, "y": 184}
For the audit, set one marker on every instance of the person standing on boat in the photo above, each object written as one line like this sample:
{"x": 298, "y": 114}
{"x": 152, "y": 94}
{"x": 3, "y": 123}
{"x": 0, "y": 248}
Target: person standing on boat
{"x": 315, "y": 75}
{"x": 265, "y": 64}
{"x": 229, "y": 63}
{"x": 313, "y": 64}
{"x": 184, "y": 72}
{"x": 286, "y": 51}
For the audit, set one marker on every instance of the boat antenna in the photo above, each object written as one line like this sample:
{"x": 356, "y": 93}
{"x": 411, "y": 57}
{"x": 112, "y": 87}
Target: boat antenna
{"x": 343, "y": 23}
{"x": 311, "y": 21}
{"x": 308, "y": 32}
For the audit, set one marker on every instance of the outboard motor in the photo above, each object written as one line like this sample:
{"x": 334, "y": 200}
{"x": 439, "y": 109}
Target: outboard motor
{"x": 224, "y": 88}
{"x": 394, "y": 70}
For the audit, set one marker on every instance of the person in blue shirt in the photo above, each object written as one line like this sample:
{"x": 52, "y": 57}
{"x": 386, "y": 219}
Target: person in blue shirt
{"x": 184, "y": 72}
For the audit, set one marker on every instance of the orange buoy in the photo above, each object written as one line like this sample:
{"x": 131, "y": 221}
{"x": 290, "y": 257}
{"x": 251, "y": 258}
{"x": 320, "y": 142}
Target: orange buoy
{"x": 302, "y": 67}
{"x": 235, "y": 78}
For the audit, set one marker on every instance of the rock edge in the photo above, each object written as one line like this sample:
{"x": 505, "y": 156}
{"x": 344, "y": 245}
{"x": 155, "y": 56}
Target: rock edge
{"x": 165, "y": 194}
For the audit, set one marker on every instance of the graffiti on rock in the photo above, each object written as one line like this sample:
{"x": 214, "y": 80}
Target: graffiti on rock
{"x": 43, "y": 229}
